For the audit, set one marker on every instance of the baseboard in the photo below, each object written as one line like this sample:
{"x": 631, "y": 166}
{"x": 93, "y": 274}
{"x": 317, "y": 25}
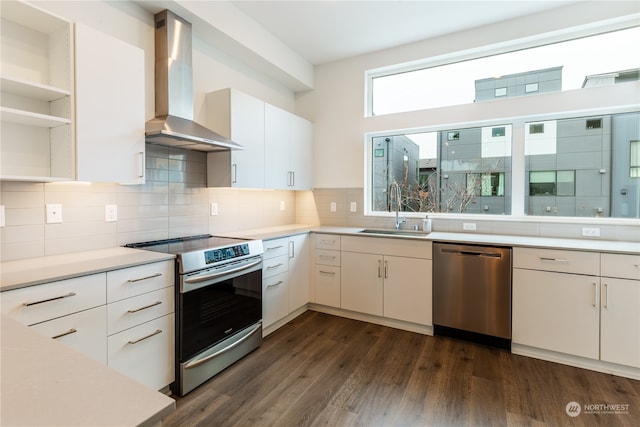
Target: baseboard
{"x": 576, "y": 361}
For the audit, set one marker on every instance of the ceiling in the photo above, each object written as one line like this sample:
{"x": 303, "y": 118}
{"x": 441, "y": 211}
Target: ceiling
{"x": 326, "y": 31}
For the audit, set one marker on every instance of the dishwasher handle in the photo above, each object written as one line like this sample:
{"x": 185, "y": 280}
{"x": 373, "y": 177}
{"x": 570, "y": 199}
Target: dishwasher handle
{"x": 473, "y": 253}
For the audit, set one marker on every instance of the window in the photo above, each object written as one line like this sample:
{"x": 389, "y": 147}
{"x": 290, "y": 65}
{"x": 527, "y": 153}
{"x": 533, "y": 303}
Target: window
{"x": 552, "y": 183}
{"x": 536, "y": 128}
{"x": 559, "y": 66}
{"x": 634, "y": 162}
{"x": 462, "y": 171}
{"x": 594, "y": 124}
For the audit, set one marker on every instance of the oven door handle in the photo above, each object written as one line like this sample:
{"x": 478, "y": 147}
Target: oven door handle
{"x": 198, "y": 362}
{"x": 198, "y": 279}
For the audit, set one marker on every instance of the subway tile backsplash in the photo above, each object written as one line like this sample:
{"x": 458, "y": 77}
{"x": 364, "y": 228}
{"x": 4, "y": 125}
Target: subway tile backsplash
{"x": 175, "y": 201}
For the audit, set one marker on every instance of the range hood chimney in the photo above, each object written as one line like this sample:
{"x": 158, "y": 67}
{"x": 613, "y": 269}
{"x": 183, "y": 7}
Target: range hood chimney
{"x": 173, "y": 125}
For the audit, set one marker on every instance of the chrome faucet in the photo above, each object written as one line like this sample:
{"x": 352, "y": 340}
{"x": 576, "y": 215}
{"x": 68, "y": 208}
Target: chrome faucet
{"x": 394, "y": 186}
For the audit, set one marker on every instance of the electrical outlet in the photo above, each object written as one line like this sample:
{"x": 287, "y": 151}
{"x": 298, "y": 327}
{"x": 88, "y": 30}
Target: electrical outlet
{"x": 2, "y": 216}
{"x": 591, "y": 232}
{"x": 333, "y": 206}
{"x": 354, "y": 206}
{"x": 213, "y": 209}
{"x": 110, "y": 213}
{"x": 54, "y": 213}
{"x": 469, "y": 226}
{"x": 281, "y": 205}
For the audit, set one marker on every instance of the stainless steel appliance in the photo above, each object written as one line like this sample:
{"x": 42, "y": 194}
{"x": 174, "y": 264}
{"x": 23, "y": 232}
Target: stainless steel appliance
{"x": 472, "y": 292}
{"x": 218, "y": 303}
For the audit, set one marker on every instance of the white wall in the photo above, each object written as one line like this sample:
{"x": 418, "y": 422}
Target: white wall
{"x": 337, "y": 104}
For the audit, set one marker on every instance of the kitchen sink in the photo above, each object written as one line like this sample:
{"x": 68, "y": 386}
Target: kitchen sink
{"x": 392, "y": 232}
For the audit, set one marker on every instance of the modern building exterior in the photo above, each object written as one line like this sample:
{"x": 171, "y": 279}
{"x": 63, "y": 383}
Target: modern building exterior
{"x": 519, "y": 84}
{"x": 395, "y": 159}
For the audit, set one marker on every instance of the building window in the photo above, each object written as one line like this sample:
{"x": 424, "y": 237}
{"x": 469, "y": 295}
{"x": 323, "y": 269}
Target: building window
{"x": 531, "y": 88}
{"x": 500, "y": 91}
{"x": 496, "y": 132}
{"x": 552, "y": 183}
{"x": 453, "y": 136}
{"x": 594, "y": 124}
{"x": 634, "y": 160}
{"x": 536, "y": 128}
{"x": 486, "y": 184}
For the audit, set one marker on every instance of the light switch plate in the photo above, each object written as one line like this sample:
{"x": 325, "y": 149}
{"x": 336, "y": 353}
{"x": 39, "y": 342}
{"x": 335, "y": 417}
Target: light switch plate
{"x": 469, "y": 226}
{"x": 333, "y": 206}
{"x": 281, "y": 205}
{"x": 54, "y": 213}
{"x": 591, "y": 231}
{"x": 110, "y": 213}
{"x": 2, "y": 216}
{"x": 354, "y": 206}
{"x": 213, "y": 211}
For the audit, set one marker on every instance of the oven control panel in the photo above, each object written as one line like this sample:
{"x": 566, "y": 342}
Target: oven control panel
{"x": 223, "y": 254}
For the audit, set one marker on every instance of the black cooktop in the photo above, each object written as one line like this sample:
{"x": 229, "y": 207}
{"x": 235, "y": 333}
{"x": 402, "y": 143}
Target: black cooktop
{"x": 181, "y": 245}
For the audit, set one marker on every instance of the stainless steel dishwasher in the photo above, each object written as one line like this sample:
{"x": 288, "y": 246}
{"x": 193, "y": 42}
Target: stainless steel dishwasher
{"x": 472, "y": 292}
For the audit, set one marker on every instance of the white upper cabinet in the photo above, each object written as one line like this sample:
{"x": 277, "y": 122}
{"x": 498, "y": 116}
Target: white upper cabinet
{"x": 110, "y": 114}
{"x": 287, "y": 150}
{"x": 72, "y": 102}
{"x": 238, "y": 117}
{"x": 277, "y": 144}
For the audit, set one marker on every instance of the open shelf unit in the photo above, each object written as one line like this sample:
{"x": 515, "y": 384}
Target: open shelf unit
{"x": 36, "y": 100}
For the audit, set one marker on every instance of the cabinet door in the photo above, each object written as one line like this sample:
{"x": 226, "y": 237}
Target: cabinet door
{"x": 327, "y": 285}
{"x": 247, "y": 129}
{"x": 407, "y": 289}
{"x": 84, "y": 331}
{"x": 620, "y": 321}
{"x": 298, "y": 271}
{"x": 275, "y": 299}
{"x": 300, "y": 163}
{"x": 277, "y": 134}
{"x": 145, "y": 353}
{"x": 361, "y": 282}
{"x": 556, "y": 311}
{"x": 110, "y": 110}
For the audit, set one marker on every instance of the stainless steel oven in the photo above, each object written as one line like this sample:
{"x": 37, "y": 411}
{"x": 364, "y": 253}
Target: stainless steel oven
{"x": 218, "y": 304}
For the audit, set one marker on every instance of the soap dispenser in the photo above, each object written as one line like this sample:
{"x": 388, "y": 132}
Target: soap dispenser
{"x": 426, "y": 224}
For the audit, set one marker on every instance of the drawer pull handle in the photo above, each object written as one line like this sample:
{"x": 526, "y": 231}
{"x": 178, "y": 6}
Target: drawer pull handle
{"x": 328, "y": 242}
{"x": 274, "y": 266}
{"x": 328, "y": 256}
{"x": 64, "y": 334}
{"x": 28, "y": 304}
{"x": 158, "y": 331}
{"x": 554, "y": 259}
{"x": 145, "y": 307}
{"x": 144, "y": 278}
{"x": 279, "y": 282}
{"x": 328, "y": 272}
{"x": 273, "y": 248}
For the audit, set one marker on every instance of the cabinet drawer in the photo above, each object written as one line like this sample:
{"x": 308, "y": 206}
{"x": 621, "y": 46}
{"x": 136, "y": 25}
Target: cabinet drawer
{"x": 145, "y": 353}
{"x": 129, "y": 282}
{"x": 133, "y": 311}
{"x": 275, "y": 248}
{"x": 622, "y": 266}
{"x": 327, "y": 285}
{"x": 275, "y": 299}
{"x": 273, "y": 266}
{"x": 562, "y": 261}
{"x": 326, "y": 257}
{"x": 84, "y": 331}
{"x": 328, "y": 241}
{"x": 36, "y": 304}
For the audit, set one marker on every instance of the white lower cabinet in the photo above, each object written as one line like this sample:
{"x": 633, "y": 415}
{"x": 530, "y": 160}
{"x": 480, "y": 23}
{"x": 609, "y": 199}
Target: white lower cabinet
{"x": 327, "y": 271}
{"x": 83, "y": 331}
{"x": 285, "y": 277}
{"x": 387, "y": 277}
{"x": 145, "y": 352}
{"x": 556, "y": 311}
{"x": 586, "y": 315}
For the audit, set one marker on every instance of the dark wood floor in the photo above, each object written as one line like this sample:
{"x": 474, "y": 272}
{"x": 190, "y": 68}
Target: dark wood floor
{"x": 322, "y": 370}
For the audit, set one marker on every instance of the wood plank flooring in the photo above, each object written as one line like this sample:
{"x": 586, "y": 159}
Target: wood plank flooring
{"x": 323, "y": 370}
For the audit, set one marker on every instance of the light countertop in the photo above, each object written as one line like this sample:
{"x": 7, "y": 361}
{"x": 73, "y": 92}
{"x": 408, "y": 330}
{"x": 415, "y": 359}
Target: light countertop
{"x": 34, "y": 271}
{"x": 46, "y": 383}
{"x": 592, "y": 245}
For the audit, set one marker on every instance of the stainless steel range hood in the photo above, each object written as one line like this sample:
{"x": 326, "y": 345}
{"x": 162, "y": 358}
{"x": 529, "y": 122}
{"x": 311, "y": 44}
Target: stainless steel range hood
{"x": 173, "y": 125}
